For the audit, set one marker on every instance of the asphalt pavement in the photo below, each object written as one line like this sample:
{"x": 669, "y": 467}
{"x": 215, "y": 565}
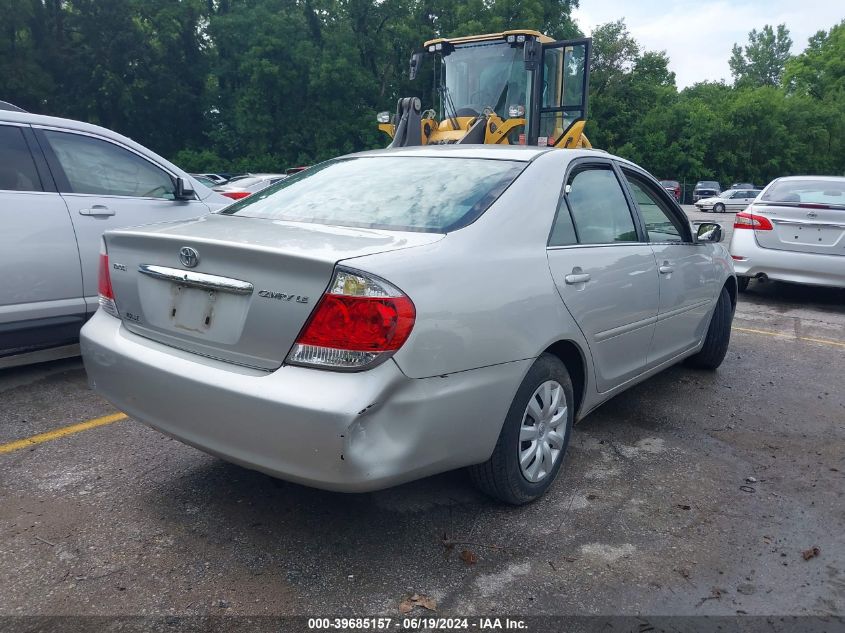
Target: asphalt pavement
{"x": 693, "y": 493}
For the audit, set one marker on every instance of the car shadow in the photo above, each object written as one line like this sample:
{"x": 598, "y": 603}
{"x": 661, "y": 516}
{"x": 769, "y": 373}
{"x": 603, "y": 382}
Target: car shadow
{"x": 785, "y": 296}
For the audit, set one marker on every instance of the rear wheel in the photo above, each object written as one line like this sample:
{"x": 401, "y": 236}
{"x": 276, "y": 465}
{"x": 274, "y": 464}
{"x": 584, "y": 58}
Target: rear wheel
{"x": 742, "y": 283}
{"x": 718, "y": 336}
{"x": 534, "y": 437}
{"x": 718, "y": 208}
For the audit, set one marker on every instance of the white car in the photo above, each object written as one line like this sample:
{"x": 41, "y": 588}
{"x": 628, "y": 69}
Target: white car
{"x": 729, "y": 200}
{"x": 244, "y": 186}
{"x": 795, "y": 231}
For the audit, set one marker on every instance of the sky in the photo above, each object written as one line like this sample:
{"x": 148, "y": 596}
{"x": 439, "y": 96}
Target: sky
{"x": 698, "y": 36}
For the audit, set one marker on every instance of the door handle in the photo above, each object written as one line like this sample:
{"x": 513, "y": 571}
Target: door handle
{"x": 97, "y": 210}
{"x": 665, "y": 269}
{"x": 577, "y": 278}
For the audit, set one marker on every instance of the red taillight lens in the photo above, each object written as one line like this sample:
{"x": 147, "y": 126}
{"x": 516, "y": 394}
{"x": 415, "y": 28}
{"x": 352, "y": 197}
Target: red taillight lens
{"x": 747, "y": 220}
{"x": 235, "y": 195}
{"x": 105, "y": 291}
{"x": 360, "y": 324}
{"x": 104, "y": 279}
{"x": 360, "y": 320}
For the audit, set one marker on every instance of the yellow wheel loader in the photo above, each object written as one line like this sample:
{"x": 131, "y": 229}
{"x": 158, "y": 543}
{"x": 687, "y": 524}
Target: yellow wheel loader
{"x": 515, "y": 87}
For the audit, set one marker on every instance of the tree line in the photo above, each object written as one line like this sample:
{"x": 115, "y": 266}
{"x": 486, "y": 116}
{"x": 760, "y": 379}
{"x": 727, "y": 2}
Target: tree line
{"x": 265, "y": 84}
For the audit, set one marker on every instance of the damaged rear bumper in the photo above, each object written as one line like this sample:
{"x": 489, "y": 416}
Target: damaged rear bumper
{"x": 350, "y": 432}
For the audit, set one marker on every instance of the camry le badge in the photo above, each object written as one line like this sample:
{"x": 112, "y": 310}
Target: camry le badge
{"x": 282, "y": 296}
{"x": 189, "y": 257}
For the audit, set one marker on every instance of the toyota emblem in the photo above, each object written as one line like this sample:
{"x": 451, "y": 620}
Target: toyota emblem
{"x": 189, "y": 257}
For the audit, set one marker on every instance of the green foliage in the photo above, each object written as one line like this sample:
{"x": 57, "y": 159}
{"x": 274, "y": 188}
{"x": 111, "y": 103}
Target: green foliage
{"x": 266, "y": 84}
{"x": 820, "y": 70}
{"x": 765, "y": 56}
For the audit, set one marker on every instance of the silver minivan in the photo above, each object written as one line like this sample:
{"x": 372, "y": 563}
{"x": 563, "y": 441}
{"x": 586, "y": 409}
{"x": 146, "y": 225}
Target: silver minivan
{"x": 62, "y": 183}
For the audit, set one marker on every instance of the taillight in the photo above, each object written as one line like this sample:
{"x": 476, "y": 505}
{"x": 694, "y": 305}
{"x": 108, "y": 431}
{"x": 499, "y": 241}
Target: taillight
{"x": 747, "y": 220}
{"x": 105, "y": 292}
{"x": 360, "y": 321}
{"x": 235, "y": 195}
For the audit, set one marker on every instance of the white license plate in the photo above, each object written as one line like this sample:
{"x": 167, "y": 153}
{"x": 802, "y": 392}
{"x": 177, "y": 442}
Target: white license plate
{"x": 193, "y": 309}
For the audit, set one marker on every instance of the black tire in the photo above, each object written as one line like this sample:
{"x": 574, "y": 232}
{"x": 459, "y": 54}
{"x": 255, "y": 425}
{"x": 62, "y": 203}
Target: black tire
{"x": 742, "y": 283}
{"x": 718, "y": 208}
{"x": 718, "y": 336}
{"x": 501, "y": 476}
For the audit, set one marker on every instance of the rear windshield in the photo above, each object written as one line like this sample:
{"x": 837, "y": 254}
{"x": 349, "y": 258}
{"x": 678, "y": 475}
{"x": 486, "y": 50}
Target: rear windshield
{"x": 402, "y": 193}
{"x": 830, "y": 192}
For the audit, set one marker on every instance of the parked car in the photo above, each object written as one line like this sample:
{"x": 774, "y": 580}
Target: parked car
{"x": 208, "y": 182}
{"x": 5, "y": 105}
{"x": 62, "y": 183}
{"x": 795, "y": 231}
{"x": 244, "y": 186}
{"x": 673, "y": 187}
{"x": 729, "y": 200}
{"x": 743, "y": 185}
{"x": 217, "y": 179}
{"x": 394, "y": 314}
{"x": 705, "y": 189}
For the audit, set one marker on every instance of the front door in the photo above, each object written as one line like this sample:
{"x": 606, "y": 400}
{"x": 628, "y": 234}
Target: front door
{"x": 107, "y": 186}
{"x": 605, "y": 272}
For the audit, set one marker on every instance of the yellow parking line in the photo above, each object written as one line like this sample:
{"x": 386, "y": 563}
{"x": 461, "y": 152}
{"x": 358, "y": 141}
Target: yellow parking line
{"x": 810, "y": 339}
{"x": 62, "y": 431}
{"x": 70, "y": 429}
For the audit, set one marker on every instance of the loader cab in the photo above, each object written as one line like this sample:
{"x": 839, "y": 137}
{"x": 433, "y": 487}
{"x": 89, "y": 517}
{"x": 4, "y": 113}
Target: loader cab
{"x": 515, "y": 87}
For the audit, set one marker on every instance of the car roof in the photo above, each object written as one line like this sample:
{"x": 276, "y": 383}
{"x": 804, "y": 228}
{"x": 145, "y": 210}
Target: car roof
{"x": 811, "y": 177}
{"x": 520, "y": 153}
{"x": 501, "y": 152}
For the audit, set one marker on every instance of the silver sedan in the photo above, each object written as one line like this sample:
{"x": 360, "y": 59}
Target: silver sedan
{"x": 795, "y": 231}
{"x": 390, "y": 315}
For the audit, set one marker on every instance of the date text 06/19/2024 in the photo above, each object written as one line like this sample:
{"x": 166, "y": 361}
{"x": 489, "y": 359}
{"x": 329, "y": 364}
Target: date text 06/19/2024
{"x": 416, "y": 624}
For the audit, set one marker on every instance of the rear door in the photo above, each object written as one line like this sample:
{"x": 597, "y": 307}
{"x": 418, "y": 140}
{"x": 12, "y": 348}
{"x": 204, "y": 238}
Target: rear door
{"x": 605, "y": 272}
{"x": 687, "y": 275}
{"x": 41, "y": 291}
{"x": 559, "y": 96}
{"x": 109, "y": 186}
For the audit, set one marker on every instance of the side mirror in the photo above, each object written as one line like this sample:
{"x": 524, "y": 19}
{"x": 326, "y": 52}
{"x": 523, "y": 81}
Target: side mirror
{"x": 531, "y": 54}
{"x": 184, "y": 190}
{"x": 708, "y": 232}
{"x": 416, "y": 62}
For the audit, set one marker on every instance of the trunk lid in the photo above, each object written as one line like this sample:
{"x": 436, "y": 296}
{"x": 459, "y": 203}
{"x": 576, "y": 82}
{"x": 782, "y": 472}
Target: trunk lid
{"x": 254, "y": 285}
{"x": 803, "y": 228}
